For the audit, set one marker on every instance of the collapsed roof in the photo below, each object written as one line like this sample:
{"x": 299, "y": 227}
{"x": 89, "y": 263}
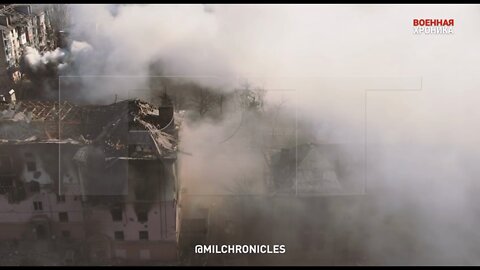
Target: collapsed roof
{"x": 116, "y": 127}
{"x": 311, "y": 169}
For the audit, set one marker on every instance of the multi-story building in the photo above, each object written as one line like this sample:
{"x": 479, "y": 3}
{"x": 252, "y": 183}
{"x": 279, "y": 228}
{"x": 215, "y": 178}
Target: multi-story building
{"x": 313, "y": 205}
{"x": 102, "y": 178}
{"x": 20, "y": 26}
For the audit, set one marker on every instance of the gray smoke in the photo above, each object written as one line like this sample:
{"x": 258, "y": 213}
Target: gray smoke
{"x": 422, "y": 145}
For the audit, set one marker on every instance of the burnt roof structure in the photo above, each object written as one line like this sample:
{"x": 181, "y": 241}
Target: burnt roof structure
{"x": 116, "y": 126}
{"x": 317, "y": 169}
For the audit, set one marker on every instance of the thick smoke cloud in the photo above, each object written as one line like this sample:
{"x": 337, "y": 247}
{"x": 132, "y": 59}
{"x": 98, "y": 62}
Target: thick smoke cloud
{"x": 58, "y": 58}
{"x": 422, "y": 145}
{"x": 36, "y": 60}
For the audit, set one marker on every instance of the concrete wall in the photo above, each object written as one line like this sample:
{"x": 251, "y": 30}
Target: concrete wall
{"x": 161, "y": 224}
{"x": 19, "y": 220}
{"x": 16, "y": 219}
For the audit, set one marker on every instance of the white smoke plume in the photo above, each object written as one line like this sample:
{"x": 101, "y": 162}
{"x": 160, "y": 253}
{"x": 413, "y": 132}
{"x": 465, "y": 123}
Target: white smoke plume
{"x": 422, "y": 144}
{"x": 35, "y": 59}
{"x": 58, "y": 57}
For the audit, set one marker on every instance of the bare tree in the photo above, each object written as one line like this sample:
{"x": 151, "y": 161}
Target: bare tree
{"x": 204, "y": 100}
{"x": 250, "y": 99}
{"x": 59, "y": 16}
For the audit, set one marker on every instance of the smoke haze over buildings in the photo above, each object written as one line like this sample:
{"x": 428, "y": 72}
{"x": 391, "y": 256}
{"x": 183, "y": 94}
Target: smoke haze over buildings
{"x": 421, "y": 121}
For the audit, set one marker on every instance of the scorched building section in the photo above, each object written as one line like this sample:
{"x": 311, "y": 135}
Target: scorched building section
{"x": 20, "y": 26}
{"x": 103, "y": 176}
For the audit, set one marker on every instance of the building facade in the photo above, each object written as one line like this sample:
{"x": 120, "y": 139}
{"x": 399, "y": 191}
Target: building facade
{"x": 102, "y": 178}
{"x": 20, "y": 26}
{"x": 312, "y": 205}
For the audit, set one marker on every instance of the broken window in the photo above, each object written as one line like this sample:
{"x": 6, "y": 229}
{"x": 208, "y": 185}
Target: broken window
{"x": 119, "y": 235}
{"x": 31, "y": 166}
{"x": 6, "y": 166}
{"x": 37, "y": 205}
{"x": 34, "y": 186}
{"x": 30, "y": 162}
{"x": 17, "y": 193}
{"x": 116, "y": 214}
{"x": 37, "y": 174}
{"x": 142, "y": 216}
{"x": 41, "y": 231}
{"x": 6, "y": 183}
{"x": 60, "y": 198}
{"x": 66, "y": 234}
{"x": 63, "y": 216}
{"x": 143, "y": 235}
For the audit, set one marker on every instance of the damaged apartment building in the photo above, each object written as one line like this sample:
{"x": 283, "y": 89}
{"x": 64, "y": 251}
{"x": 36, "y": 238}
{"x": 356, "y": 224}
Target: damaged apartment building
{"x": 103, "y": 176}
{"x": 21, "y": 25}
{"x": 313, "y": 205}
